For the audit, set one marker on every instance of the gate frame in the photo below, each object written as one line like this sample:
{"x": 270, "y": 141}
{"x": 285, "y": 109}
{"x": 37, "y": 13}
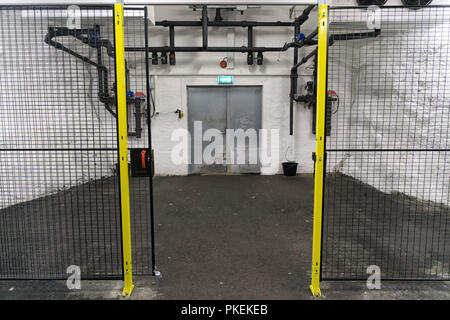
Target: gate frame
{"x": 122, "y": 137}
{"x": 318, "y": 247}
{"x": 320, "y": 155}
{"x": 117, "y": 8}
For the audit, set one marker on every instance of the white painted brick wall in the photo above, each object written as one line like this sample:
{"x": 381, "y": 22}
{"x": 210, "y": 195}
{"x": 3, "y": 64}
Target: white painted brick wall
{"x": 192, "y": 69}
{"x": 46, "y": 102}
{"x": 203, "y": 68}
{"x": 63, "y": 111}
{"x": 397, "y": 96}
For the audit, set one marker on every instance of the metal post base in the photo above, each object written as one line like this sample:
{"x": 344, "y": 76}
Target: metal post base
{"x": 315, "y": 291}
{"x": 127, "y": 290}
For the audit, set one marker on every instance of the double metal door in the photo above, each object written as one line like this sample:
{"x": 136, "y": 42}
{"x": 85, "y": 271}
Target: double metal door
{"x": 226, "y": 109}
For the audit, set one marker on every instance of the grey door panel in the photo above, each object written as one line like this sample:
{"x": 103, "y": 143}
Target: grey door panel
{"x": 244, "y": 112}
{"x": 208, "y": 105}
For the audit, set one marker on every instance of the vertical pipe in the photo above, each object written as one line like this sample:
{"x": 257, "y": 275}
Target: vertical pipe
{"x": 127, "y": 77}
{"x": 294, "y": 77}
{"x": 138, "y": 118}
{"x": 205, "y": 26}
{"x": 122, "y": 135}
{"x": 218, "y": 17}
{"x": 294, "y": 74}
{"x": 150, "y": 147}
{"x": 171, "y": 44}
{"x": 171, "y": 36}
{"x": 250, "y": 37}
{"x": 102, "y": 72}
{"x": 250, "y": 45}
{"x": 320, "y": 149}
{"x": 101, "y": 90}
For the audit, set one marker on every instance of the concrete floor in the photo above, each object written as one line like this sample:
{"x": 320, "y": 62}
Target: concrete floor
{"x": 230, "y": 237}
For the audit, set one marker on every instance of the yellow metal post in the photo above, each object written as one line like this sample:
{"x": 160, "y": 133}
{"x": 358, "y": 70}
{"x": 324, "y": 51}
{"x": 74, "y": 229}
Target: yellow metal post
{"x": 123, "y": 148}
{"x": 320, "y": 147}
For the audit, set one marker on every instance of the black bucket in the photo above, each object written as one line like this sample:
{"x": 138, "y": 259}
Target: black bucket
{"x": 290, "y": 168}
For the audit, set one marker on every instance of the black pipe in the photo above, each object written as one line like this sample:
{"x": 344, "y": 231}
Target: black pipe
{"x": 218, "y": 17}
{"x": 294, "y": 75}
{"x": 249, "y": 24}
{"x": 100, "y": 63}
{"x": 309, "y": 40}
{"x": 304, "y": 59}
{"x": 209, "y": 49}
{"x": 93, "y": 41}
{"x": 305, "y": 14}
{"x": 298, "y": 44}
{"x": 242, "y": 24}
{"x": 48, "y": 40}
{"x": 304, "y": 42}
{"x": 171, "y": 44}
{"x": 205, "y": 26}
{"x": 97, "y": 42}
{"x": 102, "y": 75}
{"x": 138, "y": 117}
{"x": 356, "y": 36}
{"x": 250, "y": 45}
{"x": 102, "y": 71}
{"x": 171, "y": 36}
{"x": 294, "y": 78}
{"x": 127, "y": 77}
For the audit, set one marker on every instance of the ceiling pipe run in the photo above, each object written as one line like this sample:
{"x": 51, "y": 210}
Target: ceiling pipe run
{"x": 243, "y": 24}
{"x": 249, "y": 49}
{"x": 304, "y": 42}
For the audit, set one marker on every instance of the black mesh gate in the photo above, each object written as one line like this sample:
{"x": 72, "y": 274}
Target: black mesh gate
{"x": 140, "y": 113}
{"x": 387, "y": 194}
{"x": 59, "y": 184}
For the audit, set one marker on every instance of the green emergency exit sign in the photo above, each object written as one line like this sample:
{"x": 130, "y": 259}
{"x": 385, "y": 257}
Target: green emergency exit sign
{"x": 225, "y": 79}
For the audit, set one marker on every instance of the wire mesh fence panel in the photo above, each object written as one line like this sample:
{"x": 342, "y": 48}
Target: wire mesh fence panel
{"x": 59, "y": 192}
{"x": 140, "y": 106}
{"x": 387, "y": 194}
